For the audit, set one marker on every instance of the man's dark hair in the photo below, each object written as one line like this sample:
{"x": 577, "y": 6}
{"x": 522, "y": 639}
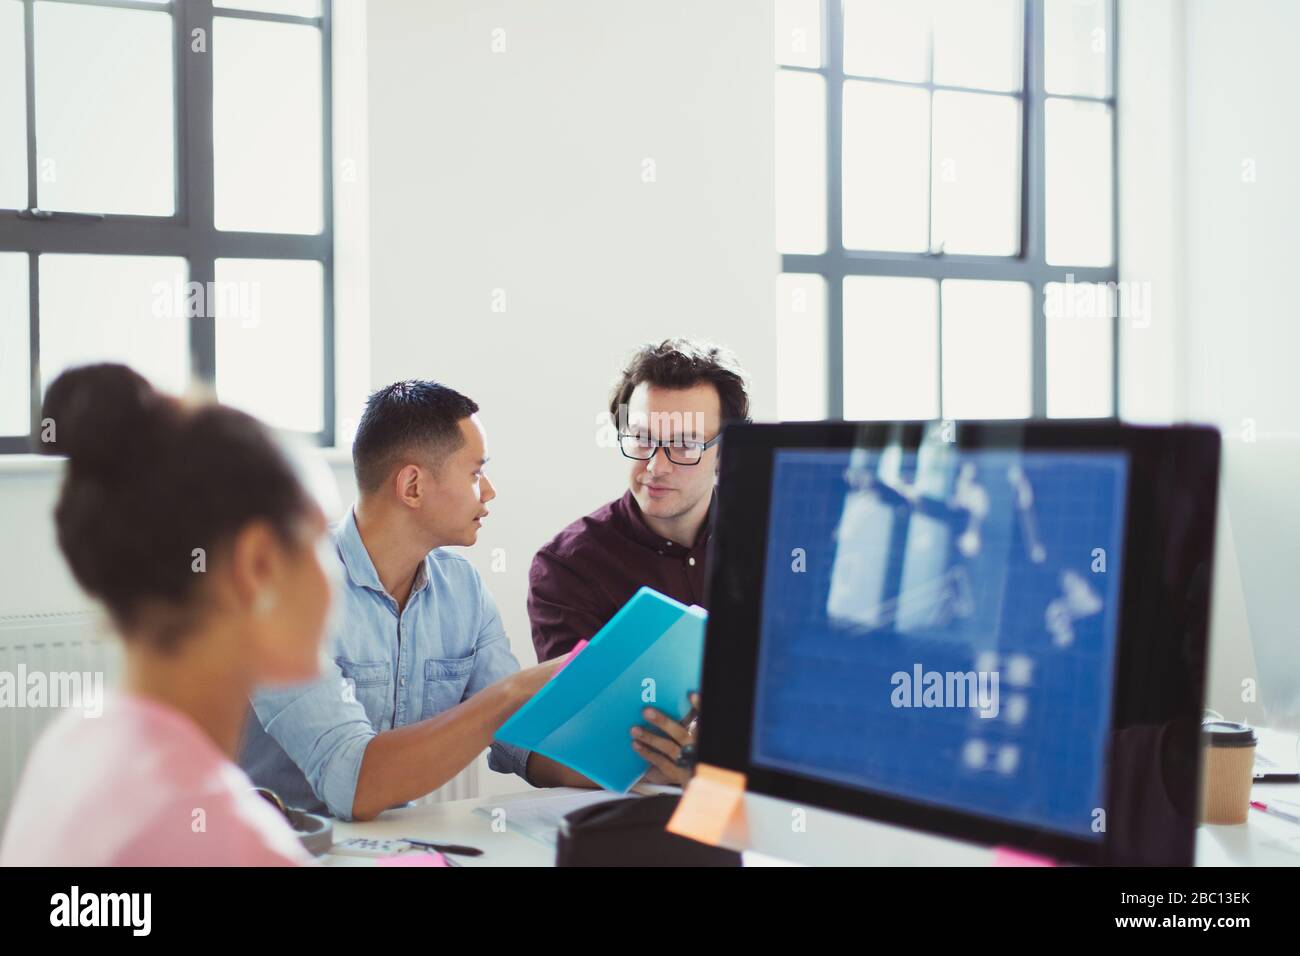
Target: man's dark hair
{"x": 685, "y": 363}
{"x": 404, "y": 418}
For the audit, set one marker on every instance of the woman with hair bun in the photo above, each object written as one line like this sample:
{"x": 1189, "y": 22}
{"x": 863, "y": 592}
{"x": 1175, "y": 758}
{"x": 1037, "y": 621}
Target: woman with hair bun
{"x": 193, "y": 530}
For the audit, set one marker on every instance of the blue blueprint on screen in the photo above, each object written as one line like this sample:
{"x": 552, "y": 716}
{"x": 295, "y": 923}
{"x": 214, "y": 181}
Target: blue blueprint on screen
{"x": 964, "y": 565}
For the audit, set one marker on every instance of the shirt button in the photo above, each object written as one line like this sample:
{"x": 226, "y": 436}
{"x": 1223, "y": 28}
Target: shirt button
{"x": 691, "y": 562}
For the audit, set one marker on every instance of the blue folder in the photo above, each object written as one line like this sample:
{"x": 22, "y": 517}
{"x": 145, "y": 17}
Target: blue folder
{"x": 648, "y": 655}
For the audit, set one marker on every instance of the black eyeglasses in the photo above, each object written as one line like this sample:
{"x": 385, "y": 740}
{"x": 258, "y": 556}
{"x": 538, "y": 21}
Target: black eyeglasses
{"x": 679, "y": 451}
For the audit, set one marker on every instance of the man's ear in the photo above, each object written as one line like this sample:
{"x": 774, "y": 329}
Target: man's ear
{"x": 408, "y": 483}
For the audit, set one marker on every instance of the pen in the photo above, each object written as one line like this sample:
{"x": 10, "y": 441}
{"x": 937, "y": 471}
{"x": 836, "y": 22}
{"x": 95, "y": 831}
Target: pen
{"x": 444, "y": 848}
{"x": 1277, "y": 813}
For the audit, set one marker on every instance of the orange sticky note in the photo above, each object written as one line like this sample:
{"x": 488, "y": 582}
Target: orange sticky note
{"x": 712, "y": 806}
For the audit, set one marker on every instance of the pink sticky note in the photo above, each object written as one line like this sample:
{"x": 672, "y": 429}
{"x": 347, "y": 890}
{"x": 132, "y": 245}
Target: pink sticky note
{"x": 414, "y": 859}
{"x": 1005, "y": 856}
{"x": 569, "y": 658}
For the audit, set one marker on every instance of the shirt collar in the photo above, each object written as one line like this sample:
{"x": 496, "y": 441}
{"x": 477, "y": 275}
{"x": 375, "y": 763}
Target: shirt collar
{"x": 356, "y": 559}
{"x": 634, "y": 526}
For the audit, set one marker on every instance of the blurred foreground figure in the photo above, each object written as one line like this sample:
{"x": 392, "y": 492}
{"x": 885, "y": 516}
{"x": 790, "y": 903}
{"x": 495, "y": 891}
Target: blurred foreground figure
{"x": 193, "y": 530}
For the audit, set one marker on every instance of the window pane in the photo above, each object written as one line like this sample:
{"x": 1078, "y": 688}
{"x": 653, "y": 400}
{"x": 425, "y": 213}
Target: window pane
{"x": 798, "y": 37}
{"x": 15, "y": 346}
{"x": 987, "y": 358}
{"x": 800, "y": 162}
{"x": 978, "y": 43}
{"x": 270, "y": 340}
{"x": 128, "y": 309}
{"x": 1080, "y": 348}
{"x": 887, "y": 38}
{"x": 266, "y": 126}
{"x": 13, "y": 109}
{"x": 800, "y": 348}
{"x": 1075, "y": 36}
{"x": 294, "y": 8}
{"x": 891, "y": 348}
{"x": 105, "y": 119}
{"x": 976, "y": 177}
{"x": 886, "y": 167}
{"x": 1079, "y": 167}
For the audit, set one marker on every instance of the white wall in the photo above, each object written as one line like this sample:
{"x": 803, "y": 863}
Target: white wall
{"x": 1151, "y": 154}
{"x": 1210, "y": 217}
{"x": 1243, "y": 318}
{"x": 522, "y": 171}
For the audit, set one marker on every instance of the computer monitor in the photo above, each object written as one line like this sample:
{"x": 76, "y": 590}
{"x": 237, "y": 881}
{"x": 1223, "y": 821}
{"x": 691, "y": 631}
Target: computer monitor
{"x": 988, "y": 631}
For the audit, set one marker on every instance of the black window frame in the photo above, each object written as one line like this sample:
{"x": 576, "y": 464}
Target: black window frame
{"x": 190, "y": 232}
{"x": 1029, "y": 265}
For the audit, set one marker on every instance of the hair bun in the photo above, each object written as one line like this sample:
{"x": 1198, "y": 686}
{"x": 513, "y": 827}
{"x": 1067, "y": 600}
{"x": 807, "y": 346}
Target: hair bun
{"x": 106, "y": 418}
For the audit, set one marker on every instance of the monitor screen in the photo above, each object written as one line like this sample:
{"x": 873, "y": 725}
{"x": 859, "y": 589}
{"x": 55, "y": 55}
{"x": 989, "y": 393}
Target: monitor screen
{"x": 940, "y": 624}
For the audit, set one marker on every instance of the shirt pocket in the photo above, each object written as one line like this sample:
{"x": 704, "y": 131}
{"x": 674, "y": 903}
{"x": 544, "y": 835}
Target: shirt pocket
{"x": 444, "y": 683}
{"x": 371, "y": 683}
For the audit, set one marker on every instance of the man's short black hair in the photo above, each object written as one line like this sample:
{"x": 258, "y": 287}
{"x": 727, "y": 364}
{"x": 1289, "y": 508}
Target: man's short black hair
{"x": 405, "y": 418}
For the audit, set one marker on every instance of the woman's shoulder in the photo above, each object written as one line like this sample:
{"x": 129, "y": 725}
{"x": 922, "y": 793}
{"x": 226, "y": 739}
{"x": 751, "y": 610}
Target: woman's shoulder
{"x": 139, "y": 785}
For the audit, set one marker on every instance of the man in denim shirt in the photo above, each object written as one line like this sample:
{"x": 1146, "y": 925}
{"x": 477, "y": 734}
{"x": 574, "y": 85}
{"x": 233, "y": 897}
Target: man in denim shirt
{"x": 422, "y": 674}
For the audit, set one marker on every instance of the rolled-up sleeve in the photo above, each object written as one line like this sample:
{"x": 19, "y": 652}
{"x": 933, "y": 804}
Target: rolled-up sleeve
{"x": 494, "y": 660}
{"x": 324, "y": 730}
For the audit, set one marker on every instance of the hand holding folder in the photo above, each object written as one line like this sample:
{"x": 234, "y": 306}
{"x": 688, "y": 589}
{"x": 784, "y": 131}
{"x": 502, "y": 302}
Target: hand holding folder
{"x": 649, "y": 654}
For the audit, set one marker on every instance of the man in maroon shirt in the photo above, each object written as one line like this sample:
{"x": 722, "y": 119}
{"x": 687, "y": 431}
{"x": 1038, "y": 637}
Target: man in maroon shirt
{"x": 669, "y": 406}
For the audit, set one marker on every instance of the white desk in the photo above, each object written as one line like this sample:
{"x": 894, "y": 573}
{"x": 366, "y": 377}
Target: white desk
{"x": 504, "y": 842}
{"x": 452, "y": 822}
{"x": 1263, "y": 841}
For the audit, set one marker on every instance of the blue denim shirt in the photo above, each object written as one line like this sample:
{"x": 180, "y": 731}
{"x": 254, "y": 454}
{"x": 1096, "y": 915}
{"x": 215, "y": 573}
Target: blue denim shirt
{"x": 306, "y": 741}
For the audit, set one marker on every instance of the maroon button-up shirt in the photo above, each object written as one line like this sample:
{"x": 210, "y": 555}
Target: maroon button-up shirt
{"x": 583, "y": 575}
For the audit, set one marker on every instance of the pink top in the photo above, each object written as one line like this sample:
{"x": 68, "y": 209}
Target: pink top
{"x": 140, "y": 785}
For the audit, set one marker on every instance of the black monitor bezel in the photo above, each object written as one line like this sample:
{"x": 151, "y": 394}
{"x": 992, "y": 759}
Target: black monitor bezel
{"x": 1161, "y": 460}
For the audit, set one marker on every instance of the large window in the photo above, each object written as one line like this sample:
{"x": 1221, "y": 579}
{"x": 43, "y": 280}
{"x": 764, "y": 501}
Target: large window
{"x": 945, "y": 208}
{"x": 165, "y": 201}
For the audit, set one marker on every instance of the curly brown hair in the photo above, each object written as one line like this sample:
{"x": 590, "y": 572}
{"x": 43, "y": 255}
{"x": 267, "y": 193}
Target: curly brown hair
{"x": 685, "y": 363}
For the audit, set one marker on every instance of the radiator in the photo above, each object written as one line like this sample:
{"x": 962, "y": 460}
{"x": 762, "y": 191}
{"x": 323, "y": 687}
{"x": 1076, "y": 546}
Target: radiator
{"x": 460, "y": 787}
{"x": 46, "y": 643}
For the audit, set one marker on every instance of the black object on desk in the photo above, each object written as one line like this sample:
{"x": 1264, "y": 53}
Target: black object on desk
{"x": 316, "y": 832}
{"x": 632, "y": 832}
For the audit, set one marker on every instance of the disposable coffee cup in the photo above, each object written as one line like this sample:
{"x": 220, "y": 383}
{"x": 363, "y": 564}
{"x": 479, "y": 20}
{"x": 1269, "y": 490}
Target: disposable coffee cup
{"x": 1228, "y": 756}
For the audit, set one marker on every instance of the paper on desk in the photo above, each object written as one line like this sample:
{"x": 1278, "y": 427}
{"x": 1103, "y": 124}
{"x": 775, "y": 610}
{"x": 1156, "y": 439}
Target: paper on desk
{"x": 538, "y": 817}
{"x": 1276, "y": 751}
